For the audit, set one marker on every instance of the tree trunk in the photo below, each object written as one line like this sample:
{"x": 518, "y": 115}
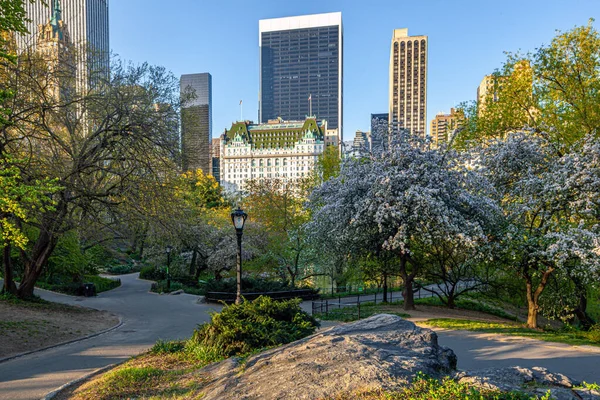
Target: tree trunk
{"x": 407, "y": 279}
{"x": 9, "y": 283}
{"x": 584, "y": 318}
{"x": 385, "y": 288}
{"x": 451, "y": 300}
{"x": 533, "y": 297}
{"x": 34, "y": 266}
{"x": 192, "y": 268}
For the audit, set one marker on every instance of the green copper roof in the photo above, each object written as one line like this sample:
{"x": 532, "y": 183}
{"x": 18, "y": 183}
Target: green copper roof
{"x": 56, "y": 17}
{"x": 277, "y": 135}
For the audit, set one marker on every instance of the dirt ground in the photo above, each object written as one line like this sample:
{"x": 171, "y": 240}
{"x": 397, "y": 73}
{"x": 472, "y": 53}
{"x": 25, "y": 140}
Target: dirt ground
{"x": 31, "y": 326}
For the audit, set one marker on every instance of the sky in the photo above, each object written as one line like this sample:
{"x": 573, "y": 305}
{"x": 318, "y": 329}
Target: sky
{"x": 467, "y": 40}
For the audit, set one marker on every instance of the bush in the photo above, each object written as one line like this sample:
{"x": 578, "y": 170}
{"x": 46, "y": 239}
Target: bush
{"x": 243, "y": 328}
{"x": 73, "y": 285}
{"x": 153, "y": 273}
{"x": 120, "y": 269}
{"x": 250, "y": 285}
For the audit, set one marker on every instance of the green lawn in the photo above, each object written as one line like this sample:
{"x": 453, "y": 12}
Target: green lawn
{"x": 569, "y": 336}
{"x": 350, "y": 313}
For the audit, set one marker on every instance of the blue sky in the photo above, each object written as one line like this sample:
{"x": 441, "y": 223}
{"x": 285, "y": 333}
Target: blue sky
{"x": 467, "y": 40}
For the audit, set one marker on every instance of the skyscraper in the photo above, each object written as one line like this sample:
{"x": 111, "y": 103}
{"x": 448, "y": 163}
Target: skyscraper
{"x": 301, "y": 69}
{"x": 196, "y": 121}
{"x": 87, "y": 25}
{"x": 443, "y": 125}
{"x": 408, "y": 82}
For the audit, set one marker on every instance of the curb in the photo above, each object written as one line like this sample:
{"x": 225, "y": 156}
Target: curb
{"x": 3, "y": 360}
{"x": 82, "y": 379}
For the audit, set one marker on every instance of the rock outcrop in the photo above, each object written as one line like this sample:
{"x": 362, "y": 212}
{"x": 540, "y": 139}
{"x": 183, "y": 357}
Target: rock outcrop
{"x": 383, "y": 351}
{"x": 380, "y": 352}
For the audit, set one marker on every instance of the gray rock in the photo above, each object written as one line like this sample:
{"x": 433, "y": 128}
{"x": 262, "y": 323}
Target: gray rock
{"x": 383, "y": 351}
{"x": 176, "y": 292}
{"x": 536, "y": 381}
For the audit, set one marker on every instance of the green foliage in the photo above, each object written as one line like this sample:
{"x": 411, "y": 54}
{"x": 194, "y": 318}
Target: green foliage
{"x": 153, "y": 273}
{"x": 70, "y": 285}
{"x": 161, "y": 286}
{"x": 68, "y": 258}
{"x": 426, "y": 388}
{"x": 165, "y": 347}
{"x": 467, "y": 304}
{"x": 243, "y": 328}
{"x": 120, "y": 269}
{"x": 250, "y": 285}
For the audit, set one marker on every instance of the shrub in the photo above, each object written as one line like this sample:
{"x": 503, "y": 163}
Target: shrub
{"x": 153, "y": 273}
{"x": 594, "y": 333}
{"x": 165, "y": 347}
{"x": 243, "y": 328}
{"x": 120, "y": 269}
{"x": 161, "y": 286}
{"x": 250, "y": 285}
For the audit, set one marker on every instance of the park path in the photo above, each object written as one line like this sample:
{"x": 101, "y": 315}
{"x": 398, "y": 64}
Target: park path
{"x": 146, "y": 318}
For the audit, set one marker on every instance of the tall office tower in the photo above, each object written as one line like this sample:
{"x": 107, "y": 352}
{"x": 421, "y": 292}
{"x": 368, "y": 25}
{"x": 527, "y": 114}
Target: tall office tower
{"x": 196, "y": 121}
{"x": 408, "y": 82}
{"x": 443, "y": 125}
{"x": 215, "y": 154}
{"x": 87, "y": 24}
{"x": 301, "y": 70}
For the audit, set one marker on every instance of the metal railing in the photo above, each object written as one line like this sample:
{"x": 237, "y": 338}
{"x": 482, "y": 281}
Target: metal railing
{"x": 228, "y": 297}
{"x": 325, "y": 307}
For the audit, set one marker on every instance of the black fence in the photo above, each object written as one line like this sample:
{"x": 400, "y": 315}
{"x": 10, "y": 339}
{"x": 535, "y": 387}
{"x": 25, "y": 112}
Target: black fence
{"x": 344, "y": 305}
{"x": 227, "y": 297}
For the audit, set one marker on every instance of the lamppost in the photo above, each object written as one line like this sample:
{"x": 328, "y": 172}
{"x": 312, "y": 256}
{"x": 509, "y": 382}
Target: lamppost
{"x": 238, "y": 217}
{"x": 168, "y": 251}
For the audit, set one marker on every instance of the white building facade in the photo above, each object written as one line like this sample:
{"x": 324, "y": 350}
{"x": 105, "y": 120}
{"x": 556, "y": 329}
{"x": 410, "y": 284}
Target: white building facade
{"x": 286, "y": 150}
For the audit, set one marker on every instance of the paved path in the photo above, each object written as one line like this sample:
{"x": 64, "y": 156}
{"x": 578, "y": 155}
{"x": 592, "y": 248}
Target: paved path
{"x": 479, "y": 350}
{"x": 146, "y": 318}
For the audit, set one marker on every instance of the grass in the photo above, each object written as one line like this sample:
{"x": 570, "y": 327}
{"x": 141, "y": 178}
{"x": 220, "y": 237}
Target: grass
{"x": 356, "y": 292}
{"x": 425, "y": 388}
{"x": 169, "y": 370}
{"x": 568, "y": 336}
{"x": 468, "y": 304}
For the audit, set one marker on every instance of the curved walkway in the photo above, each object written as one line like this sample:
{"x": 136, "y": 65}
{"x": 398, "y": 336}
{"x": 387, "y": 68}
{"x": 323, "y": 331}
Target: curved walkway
{"x": 146, "y": 318}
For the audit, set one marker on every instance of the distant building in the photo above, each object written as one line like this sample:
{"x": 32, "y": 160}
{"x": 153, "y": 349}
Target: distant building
{"x": 215, "y": 154}
{"x": 301, "y": 68}
{"x": 362, "y": 143}
{"x": 408, "y": 83}
{"x": 88, "y": 27}
{"x": 443, "y": 125}
{"x": 196, "y": 122}
{"x": 53, "y": 44}
{"x": 491, "y": 85}
{"x": 281, "y": 149}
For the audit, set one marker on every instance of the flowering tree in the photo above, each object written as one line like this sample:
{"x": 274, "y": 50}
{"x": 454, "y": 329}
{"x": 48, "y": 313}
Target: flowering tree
{"x": 551, "y": 206}
{"x": 402, "y": 200}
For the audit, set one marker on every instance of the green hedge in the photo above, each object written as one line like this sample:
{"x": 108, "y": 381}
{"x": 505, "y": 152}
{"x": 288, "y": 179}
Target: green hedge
{"x": 72, "y": 285}
{"x": 250, "y": 285}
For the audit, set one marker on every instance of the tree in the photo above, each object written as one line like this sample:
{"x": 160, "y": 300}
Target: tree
{"x": 550, "y": 210}
{"x": 555, "y": 91}
{"x": 278, "y": 207}
{"x": 401, "y": 200}
{"x": 103, "y": 144}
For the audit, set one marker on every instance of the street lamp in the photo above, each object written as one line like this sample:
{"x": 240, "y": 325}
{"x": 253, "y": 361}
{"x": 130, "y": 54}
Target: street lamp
{"x": 238, "y": 217}
{"x": 168, "y": 251}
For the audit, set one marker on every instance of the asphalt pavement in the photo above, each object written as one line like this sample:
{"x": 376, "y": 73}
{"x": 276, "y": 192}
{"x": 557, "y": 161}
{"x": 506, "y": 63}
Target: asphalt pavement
{"x": 146, "y": 318}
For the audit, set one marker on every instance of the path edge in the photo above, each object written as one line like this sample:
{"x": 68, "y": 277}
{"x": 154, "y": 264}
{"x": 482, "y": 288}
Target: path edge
{"x": 81, "y": 380}
{"x": 6, "y": 359}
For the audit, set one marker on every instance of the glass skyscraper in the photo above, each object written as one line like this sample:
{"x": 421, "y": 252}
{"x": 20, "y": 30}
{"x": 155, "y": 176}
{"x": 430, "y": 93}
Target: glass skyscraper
{"x": 301, "y": 59}
{"x": 196, "y": 121}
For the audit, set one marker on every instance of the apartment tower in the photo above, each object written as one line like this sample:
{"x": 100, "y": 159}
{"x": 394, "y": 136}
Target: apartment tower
{"x": 408, "y": 83}
{"x": 301, "y": 68}
{"x": 88, "y": 29}
{"x": 196, "y": 122}
{"x": 443, "y": 126}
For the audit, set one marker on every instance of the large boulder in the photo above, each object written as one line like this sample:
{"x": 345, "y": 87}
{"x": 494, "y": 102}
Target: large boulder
{"x": 383, "y": 351}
